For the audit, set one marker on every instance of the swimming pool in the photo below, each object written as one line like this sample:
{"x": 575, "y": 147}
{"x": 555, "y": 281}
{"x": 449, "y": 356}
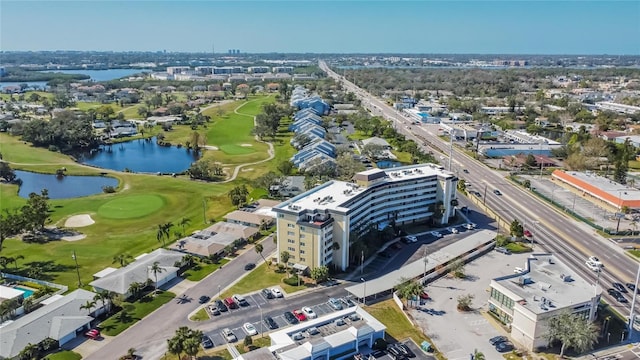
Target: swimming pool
{"x": 27, "y": 292}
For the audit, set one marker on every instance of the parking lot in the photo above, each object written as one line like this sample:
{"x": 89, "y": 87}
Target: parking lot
{"x": 259, "y": 307}
{"x": 455, "y": 333}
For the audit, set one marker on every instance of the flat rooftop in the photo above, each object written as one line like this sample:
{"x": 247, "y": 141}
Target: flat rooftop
{"x": 603, "y": 184}
{"x": 333, "y": 194}
{"x": 544, "y": 277}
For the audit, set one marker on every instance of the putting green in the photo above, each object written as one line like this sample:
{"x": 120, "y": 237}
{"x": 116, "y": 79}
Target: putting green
{"x": 233, "y": 149}
{"x": 129, "y": 207}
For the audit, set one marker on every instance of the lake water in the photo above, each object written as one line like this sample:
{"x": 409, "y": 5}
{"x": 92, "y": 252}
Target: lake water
{"x": 62, "y": 187}
{"x": 103, "y": 75}
{"x": 141, "y": 156}
{"x": 96, "y": 75}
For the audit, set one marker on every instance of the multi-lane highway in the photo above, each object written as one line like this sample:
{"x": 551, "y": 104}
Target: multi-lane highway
{"x": 553, "y": 231}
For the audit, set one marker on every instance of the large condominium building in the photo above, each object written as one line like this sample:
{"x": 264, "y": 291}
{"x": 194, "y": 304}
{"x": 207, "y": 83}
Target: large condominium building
{"x": 525, "y": 301}
{"x": 311, "y": 223}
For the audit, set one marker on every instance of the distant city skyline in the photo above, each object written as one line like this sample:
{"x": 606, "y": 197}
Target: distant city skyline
{"x": 308, "y": 26}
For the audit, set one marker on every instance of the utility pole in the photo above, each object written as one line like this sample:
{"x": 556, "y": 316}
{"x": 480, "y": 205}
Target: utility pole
{"x": 425, "y": 260}
{"x": 77, "y": 267}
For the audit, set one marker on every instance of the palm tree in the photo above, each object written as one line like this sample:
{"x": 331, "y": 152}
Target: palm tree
{"x": 285, "y": 256}
{"x": 259, "y": 248}
{"x": 88, "y": 305}
{"x": 191, "y": 346}
{"x": 124, "y": 259}
{"x": 408, "y": 289}
{"x": 15, "y": 260}
{"x": 30, "y": 352}
{"x": 477, "y": 355}
{"x": 156, "y": 269}
{"x": 164, "y": 231}
{"x": 184, "y": 222}
{"x": 5, "y": 261}
{"x": 175, "y": 346}
{"x": 134, "y": 289}
{"x": 572, "y": 331}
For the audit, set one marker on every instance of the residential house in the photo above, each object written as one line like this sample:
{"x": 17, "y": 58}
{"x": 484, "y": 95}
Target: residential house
{"x": 61, "y": 319}
{"x": 139, "y": 271}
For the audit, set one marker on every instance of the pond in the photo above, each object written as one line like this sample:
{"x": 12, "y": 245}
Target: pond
{"x": 62, "y": 187}
{"x": 141, "y": 155}
{"x": 385, "y": 164}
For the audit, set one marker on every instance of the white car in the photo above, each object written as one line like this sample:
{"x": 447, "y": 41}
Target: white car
{"x": 412, "y": 238}
{"x": 436, "y": 234}
{"x": 593, "y": 266}
{"x": 250, "y": 329}
{"x": 594, "y": 260}
{"x": 470, "y": 226}
{"x": 309, "y": 312}
{"x": 454, "y": 231}
{"x": 276, "y": 292}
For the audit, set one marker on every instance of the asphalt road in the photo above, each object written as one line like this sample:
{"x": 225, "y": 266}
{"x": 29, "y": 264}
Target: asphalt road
{"x": 553, "y": 231}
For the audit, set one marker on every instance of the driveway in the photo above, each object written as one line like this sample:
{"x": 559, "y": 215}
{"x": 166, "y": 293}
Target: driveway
{"x": 446, "y": 326}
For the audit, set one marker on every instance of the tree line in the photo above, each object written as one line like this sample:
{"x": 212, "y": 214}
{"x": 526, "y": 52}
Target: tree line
{"x": 31, "y": 217}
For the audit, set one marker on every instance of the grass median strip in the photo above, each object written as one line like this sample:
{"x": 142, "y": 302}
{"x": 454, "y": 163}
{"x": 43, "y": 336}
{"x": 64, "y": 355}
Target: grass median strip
{"x": 132, "y": 312}
{"x": 260, "y": 278}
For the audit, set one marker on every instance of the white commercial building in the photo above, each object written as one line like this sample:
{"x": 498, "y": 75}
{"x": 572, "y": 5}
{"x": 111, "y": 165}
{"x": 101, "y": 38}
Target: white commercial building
{"x": 525, "y": 301}
{"x": 338, "y": 335}
{"x": 310, "y": 223}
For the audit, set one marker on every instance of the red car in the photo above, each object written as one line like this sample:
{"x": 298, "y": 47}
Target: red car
{"x": 299, "y": 315}
{"x": 92, "y": 334}
{"x": 528, "y": 233}
{"x": 424, "y": 296}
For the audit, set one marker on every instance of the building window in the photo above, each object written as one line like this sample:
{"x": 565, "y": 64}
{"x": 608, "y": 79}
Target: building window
{"x": 291, "y": 241}
{"x": 302, "y": 236}
{"x": 302, "y": 244}
{"x": 291, "y": 249}
{"x": 302, "y": 228}
{"x": 303, "y": 259}
{"x": 290, "y": 233}
{"x": 291, "y": 225}
{"x": 281, "y": 216}
{"x": 301, "y": 251}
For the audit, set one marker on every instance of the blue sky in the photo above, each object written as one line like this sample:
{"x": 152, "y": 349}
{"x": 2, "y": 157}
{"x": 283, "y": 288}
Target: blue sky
{"x": 514, "y": 27}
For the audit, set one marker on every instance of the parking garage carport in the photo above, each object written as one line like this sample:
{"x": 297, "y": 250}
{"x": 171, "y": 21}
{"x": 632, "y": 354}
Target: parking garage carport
{"x": 436, "y": 265}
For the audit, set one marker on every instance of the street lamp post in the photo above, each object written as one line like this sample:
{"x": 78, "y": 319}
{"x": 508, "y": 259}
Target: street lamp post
{"x": 633, "y": 303}
{"x": 364, "y": 291}
{"x": 425, "y": 260}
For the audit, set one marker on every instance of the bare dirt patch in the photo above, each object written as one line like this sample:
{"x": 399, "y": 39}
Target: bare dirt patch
{"x": 246, "y": 145}
{"x": 81, "y": 220}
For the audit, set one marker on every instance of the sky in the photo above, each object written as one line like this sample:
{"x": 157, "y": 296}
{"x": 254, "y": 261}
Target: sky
{"x": 323, "y": 26}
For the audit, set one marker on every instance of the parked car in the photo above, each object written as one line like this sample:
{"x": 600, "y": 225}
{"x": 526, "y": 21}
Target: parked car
{"x": 335, "y": 304}
{"x": 249, "y": 266}
{"x": 503, "y": 250}
{"x": 497, "y": 339}
{"x": 621, "y": 299}
{"x": 313, "y": 331}
{"x": 619, "y": 287}
{"x": 504, "y": 346}
{"x": 240, "y": 300}
{"x": 249, "y": 329}
{"x": 203, "y": 299}
{"x": 291, "y": 319}
{"x": 271, "y": 324}
{"x": 230, "y": 303}
{"x": 267, "y": 293}
{"x": 406, "y": 351}
{"x": 206, "y": 342}
{"x": 276, "y": 292}
{"x": 528, "y": 233}
{"x": 613, "y": 292}
{"x": 631, "y": 286}
{"x": 299, "y": 315}
{"x": 348, "y": 302}
{"x": 214, "y": 310}
{"x": 470, "y": 226}
{"x": 424, "y": 295}
{"x": 454, "y": 230}
{"x": 436, "y": 234}
{"x": 93, "y": 334}
{"x": 221, "y": 306}
{"x": 309, "y": 312}
{"x": 228, "y": 335}
{"x": 411, "y": 238}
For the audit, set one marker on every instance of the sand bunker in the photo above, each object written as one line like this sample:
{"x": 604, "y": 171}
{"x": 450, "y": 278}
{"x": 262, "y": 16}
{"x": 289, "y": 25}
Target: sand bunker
{"x": 79, "y": 221}
{"x": 210, "y": 147}
{"x": 246, "y": 145}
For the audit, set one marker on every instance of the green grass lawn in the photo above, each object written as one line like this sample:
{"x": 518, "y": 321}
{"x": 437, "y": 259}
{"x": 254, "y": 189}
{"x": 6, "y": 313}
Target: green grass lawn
{"x": 398, "y": 327}
{"x": 201, "y": 270}
{"x": 133, "y": 312}
{"x": 517, "y": 248}
{"x": 222, "y": 354}
{"x": 84, "y": 105}
{"x": 635, "y": 253}
{"x": 131, "y": 206}
{"x": 200, "y": 315}
{"x": 64, "y": 355}
{"x": 258, "y": 342}
{"x": 261, "y": 277}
